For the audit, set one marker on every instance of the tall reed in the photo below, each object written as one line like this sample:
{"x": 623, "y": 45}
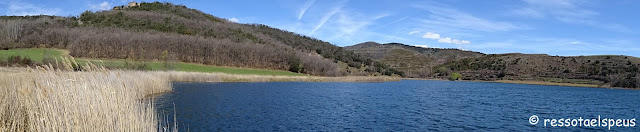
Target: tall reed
{"x": 79, "y": 101}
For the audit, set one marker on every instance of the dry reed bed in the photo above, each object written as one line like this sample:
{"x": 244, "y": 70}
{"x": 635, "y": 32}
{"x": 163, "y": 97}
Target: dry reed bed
{"x": 54, "y": 100}
{"x": 221, "y": 77}
{"x": 78, "y": 101}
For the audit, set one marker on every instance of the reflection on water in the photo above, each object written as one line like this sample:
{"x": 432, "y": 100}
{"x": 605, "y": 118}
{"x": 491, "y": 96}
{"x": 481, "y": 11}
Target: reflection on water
{"x": 408, "y": 105}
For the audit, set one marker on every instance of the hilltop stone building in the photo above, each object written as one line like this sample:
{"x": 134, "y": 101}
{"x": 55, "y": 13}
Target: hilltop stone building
{"x": 132, "y": 4}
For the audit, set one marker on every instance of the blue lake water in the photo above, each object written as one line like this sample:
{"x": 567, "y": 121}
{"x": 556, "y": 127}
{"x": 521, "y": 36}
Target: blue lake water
{"x": 408, "y": 105}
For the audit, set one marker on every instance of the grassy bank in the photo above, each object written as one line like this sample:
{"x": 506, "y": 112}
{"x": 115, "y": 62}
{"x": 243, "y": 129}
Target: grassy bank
{"x": 33, "y": 54}
{"x": 188, "y": 67}
{"x": 39, "y": 54}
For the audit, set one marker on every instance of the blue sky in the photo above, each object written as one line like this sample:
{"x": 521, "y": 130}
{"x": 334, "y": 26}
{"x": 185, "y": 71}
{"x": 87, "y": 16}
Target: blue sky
{"x": 555, "y": 27}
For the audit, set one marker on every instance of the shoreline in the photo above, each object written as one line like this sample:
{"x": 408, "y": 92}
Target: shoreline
{"x": 531, "y": 83}
{"x": 558, "y": 84}
{"x": 547, "y": 83}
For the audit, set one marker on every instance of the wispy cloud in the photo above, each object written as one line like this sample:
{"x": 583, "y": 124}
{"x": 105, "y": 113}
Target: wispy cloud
{"x": 555, "y": 46}
{"x": 342, "y": 24}
{"x": 447, "y": 17}
{"x": 327, "y": 17}
{"x": 414, "y": 32}
{"x": 101, "y": 6}
{"x": 448, "y": 40}
{"x": 423, "y": 46}
{"x": 453, "y": 41}
{"x": 22, "y": 9}
{"x": 350, "y": 23}
{"x": 304, "y": 9}
{"x": 529, "y": 12}
{"x": 431, "y": 35}
{"x": 567, "y": 11}
{"x": 391, "y": 23}
{"x": 234, "y": 20}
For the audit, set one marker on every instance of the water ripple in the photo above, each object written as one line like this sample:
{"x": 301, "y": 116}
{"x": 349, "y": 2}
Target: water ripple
{"x": 408, "y": 105}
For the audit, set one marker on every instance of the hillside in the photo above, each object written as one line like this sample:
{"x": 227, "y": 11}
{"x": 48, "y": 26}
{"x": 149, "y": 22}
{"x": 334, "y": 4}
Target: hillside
{"x": 608, "y": 70}
{"x": 158, "y": 31}
{"x": 603, "y": 70}
{"x": 413, "y": 61}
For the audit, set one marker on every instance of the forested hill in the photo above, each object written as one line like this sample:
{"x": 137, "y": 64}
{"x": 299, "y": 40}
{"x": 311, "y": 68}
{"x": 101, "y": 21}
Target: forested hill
{"x": 609, "y": 70}
{"x": 413, "y": 61}
{"x": 603, "y": 70}
{"x": 148, "y": 31}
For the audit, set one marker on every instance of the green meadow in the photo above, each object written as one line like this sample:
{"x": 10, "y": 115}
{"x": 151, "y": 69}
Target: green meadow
{"x": 33, "y": 54}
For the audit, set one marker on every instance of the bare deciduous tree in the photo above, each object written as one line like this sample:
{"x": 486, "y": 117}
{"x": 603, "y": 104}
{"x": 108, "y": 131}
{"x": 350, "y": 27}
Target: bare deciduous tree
{"x": 148, "y": 31}
{"x": 10, "y": 30}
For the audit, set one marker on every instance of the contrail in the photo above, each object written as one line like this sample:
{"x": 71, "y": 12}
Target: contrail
{"x": 304, "y": 9}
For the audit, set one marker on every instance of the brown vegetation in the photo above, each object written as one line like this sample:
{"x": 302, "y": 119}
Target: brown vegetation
{"x": 10, "y": 30}
{"x": 144, "y": 32}
{"x": 17, "y": 61}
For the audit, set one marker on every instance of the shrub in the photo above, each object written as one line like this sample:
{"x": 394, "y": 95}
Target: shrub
{"x": 136, "y": 65}
{"x": 166, "y": 63}
{"x": 294, "y": 65}
{"x": 443, "y": 71}
{"x": 354, "y": 64}
{"x": 455, "y": 76}
{"x": 501, "y": 74}
{"x": 17, "y": 60}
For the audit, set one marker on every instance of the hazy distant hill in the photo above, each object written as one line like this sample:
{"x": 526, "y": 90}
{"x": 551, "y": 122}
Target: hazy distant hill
{"x": 611, "y": 70}
{"x": 413, "y": 61}
{"x": 148, "y": 31}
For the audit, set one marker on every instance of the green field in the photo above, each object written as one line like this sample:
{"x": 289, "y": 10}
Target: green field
{"x": 33, "y": 54}
{"x": 38, "y": 54}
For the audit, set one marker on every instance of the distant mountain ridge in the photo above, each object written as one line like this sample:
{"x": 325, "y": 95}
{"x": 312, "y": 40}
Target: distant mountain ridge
{"x": 603, "y": 70}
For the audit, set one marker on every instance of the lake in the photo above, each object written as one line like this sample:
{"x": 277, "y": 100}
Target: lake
{"x": 407, "y": 105}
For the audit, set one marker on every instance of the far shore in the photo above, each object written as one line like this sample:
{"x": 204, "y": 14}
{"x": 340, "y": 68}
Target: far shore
{"x": 559, "y": 84}
{"x": 548, "y": 83}
{"x": 221, "y": 77}
{"x": 531, "y": 83}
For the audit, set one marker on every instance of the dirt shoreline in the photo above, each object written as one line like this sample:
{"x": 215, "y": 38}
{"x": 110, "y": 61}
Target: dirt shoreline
{"x": 531, "y": 83}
